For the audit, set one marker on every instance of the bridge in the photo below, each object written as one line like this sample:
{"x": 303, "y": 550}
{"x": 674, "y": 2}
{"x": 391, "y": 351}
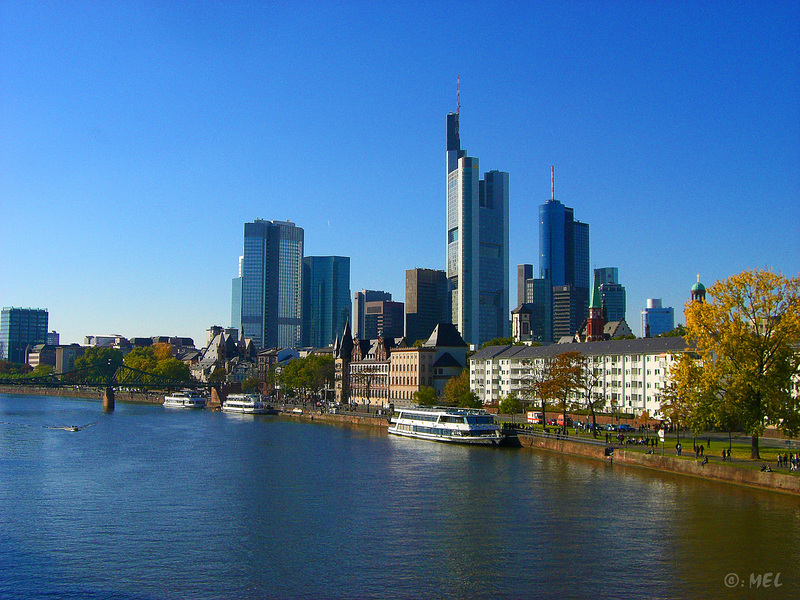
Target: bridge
{"x": 106, "y": 377}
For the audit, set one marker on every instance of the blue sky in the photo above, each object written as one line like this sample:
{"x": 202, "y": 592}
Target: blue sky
{"x": 136, "y": 138}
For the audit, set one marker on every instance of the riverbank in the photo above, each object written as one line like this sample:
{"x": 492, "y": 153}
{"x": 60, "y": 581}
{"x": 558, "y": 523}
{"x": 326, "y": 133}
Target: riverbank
{"x": 717, "y": 471}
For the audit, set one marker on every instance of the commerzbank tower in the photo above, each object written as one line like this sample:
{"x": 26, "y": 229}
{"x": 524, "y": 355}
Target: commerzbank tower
{"x": 477, "y": 243}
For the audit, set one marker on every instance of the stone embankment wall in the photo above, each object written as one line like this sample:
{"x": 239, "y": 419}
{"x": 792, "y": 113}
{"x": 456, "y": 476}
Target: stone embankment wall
{"x": 712, "y": 470}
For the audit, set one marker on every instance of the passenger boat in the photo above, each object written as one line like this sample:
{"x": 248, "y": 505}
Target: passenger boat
{"x": 184, "y": 400}
{"x": 454, "y": 425}
{"x": 249, "y": 404}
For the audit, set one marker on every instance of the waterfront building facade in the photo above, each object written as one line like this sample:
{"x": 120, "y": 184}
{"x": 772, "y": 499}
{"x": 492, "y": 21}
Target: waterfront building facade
{"x": 20, "y": 328}
{"x": 657, "y": 319}
{"x": 271, "y": 284}
{"x": 427, "y": 302}
{"x": 326, "y": 298}
{"x": 477, "y": 244}
{"x": 631, "y": 374}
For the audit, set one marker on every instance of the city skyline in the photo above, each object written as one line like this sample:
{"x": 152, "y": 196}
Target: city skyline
{"x": 136, "y": 140}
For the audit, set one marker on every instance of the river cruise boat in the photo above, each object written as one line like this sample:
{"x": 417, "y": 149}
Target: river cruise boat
{"x": 184, "y": 400}
{"x": 454, "y": 425}
{"x": 248, "y": 404}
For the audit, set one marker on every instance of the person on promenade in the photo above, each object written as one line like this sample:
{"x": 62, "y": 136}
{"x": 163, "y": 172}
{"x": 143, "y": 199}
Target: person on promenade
{"x": 678, "y": 449}
{"x": 702, "y": 450}
{"x": 780, "y": 460}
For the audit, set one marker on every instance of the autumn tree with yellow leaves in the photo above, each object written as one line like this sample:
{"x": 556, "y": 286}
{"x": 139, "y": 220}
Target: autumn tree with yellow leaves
{"x": 747, "y": 339}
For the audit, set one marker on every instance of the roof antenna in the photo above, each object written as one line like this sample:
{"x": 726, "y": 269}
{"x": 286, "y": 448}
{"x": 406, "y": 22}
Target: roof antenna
{"x": 552, "y": 182}
{"x": 458, "y": 94}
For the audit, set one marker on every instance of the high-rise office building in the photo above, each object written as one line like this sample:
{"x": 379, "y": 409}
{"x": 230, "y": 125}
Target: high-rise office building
{"x": 564, "y": 261}
{"x": 360, "y": 300}
{"x": 326, "y": 298}
{"x": 427, "y": 302}
{"x": 612, "y": 294}
{"x": 20, "y": 328}
{"x": 657, "y": 319}
{"x": 271, "y": 284}
{"x": 383, "y": 318}
{"x": 477, "y": 244}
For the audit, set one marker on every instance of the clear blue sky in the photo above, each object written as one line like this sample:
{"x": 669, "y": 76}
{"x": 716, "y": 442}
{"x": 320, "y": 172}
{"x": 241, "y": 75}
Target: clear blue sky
{"x": 136, "y": 138}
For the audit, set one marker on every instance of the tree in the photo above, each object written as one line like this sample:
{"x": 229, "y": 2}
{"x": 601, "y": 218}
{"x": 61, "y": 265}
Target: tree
{"x": 251, "y": 384}
{"x": 565, "y": 379}
{"x": 172, "y": 368}
{"x": 510, "y": 405}
{"x": 309, "y": 374}
{"x": 457, "y": 392}
{"x": 143, "y": 359}
{"x": 588, "y": 380}
{"x": 99, "y": 362}
{"x": 745, "y": 338}
{"x": 679, "y": 331}
{"x": 426, "y": 396}
{"x": 501, "y": 341}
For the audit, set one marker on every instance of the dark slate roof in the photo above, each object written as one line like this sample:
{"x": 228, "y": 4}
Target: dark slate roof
{"x": 447, "y": 360}
{"x": 523, "y": 308}
{"x": 445, "y": 335}
{"x": 637, "y": 346}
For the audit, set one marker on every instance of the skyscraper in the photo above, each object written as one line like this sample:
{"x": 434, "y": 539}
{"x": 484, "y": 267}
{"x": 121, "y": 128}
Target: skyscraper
{"x": 20, "y": 328}
{"x": 612, "y": 294}
{"x": 326, "y": 298}
{"x": 657, "y": 319}
{"x": 427, "y": 302}
{"x": 564, "y": 261}
{"x": 477, "y": 243}
{"x": 271, "y": 284}
{"x": 359, "y": 309}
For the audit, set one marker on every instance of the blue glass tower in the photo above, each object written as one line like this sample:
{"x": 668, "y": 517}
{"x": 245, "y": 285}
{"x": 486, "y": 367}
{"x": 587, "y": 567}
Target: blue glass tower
{"x": 271, "y": 289}
{"x": 326, "y": 298}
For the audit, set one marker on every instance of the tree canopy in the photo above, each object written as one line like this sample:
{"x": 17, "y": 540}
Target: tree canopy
{"x": 457, "y": 392}
{"x": 426, "y": 396}
{"x": 310, "y": 374}
{"x": 746, "y": 337}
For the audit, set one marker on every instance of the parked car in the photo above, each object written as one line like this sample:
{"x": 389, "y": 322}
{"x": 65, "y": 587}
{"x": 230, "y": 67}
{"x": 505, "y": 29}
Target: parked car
{"x": 563, "y": 421}
{"x": 625, "y": 428}
{"x": 535, "y": 417}
{"x": 611, "y": 427}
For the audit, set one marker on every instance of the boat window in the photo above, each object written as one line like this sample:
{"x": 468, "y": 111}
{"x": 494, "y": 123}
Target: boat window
{"x": 480, "y": 420}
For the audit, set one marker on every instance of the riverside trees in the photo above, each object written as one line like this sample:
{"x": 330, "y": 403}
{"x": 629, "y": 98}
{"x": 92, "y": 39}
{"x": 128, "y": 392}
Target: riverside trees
{"x": 747, "y": 341}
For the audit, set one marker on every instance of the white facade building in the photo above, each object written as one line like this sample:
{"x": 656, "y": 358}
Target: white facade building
{"x": 631, "y": 374}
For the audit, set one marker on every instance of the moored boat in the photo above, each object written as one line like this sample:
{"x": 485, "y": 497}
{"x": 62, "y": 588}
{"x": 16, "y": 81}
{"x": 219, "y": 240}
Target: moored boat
{"x": 453, "y": 425}
{"x": 249, "y": 404}
{"x": 184, "y": 400}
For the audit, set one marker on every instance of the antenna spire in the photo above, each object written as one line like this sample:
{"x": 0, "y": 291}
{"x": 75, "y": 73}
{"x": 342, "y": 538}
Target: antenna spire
{"x": 458, "y": 94}
{"x": 552, "y": 182}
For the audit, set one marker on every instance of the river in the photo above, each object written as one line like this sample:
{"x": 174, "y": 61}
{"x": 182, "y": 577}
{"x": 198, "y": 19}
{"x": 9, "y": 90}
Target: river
{"x": 148, "y": 503}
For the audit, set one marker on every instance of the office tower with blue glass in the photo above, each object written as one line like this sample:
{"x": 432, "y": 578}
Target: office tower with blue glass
{"x": 19, "y": 329}
{"x": 564, "y": 262}
{"x": 612, "y": 294}
{"x": 326, "y": 298}
{"x": 657, "y": 319}
{"x": 477, "y": 244}
{"x": 270, "y": 287}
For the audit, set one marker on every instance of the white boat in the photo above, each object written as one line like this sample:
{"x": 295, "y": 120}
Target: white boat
{"x": 249, "y": 404}
{"x": 454, "y": 425}
{"x": 184, "y": 400}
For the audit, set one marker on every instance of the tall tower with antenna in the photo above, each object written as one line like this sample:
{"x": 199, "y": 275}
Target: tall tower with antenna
{"x": 477, "y": 241}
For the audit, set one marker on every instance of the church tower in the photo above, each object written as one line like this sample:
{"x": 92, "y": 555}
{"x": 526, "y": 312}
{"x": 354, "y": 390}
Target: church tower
{"x": 698, "y": 291}
{"x": 595, "y": 323}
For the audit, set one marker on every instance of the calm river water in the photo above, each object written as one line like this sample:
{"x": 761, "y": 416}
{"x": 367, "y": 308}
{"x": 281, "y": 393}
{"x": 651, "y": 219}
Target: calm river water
{"x": 148, "y": 503}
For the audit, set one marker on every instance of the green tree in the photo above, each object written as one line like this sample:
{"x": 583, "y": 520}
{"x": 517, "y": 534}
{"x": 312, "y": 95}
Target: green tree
{"x": 745, "y": 336}
{"x": 99, "y": 362}
{"x": 172, "y": 368}
{"x": 566, "y": 372}
{"x": 143, "y": 359}
{"x": 501, "y": 341}
{"x": 679, "y": 331}
{"x": 587, "y": 382}
{"x": 457, "y": 392}
{"x": 308, "y": 375}
{"x": 510, "y": 405}
{"x": 426, "y": 396}
{"x": 251, "y": 384}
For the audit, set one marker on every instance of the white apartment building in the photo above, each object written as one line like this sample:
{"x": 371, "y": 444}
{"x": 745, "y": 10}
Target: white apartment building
{"x": 631, "y": 374}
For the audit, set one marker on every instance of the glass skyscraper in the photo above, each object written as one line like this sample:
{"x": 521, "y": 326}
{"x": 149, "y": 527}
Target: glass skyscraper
{"x": 326, "y": 298}
{"x": 564, "y": 261}
{"x": 271, "y": 274}
{"x": 477, "y": 244}
{"x": 20, "y": 328}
